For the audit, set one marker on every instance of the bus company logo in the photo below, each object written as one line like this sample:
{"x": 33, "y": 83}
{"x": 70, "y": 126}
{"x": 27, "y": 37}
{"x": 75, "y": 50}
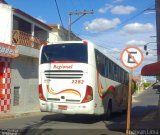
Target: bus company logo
{"x": 62, "y": 67}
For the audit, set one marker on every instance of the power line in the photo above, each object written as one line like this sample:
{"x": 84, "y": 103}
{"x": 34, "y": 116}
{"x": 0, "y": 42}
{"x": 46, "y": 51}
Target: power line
{"x": 123, "y": 23}
{"x": 133, "y": 17}
{"x": 108, "y": 49}
{"x": 58, "y": 12}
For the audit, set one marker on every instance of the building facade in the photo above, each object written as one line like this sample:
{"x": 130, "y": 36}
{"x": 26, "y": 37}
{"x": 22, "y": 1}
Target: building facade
{"x": 59, "y": 33}
{"x": 21, "y": 37}
{"x": 19, "y": 71}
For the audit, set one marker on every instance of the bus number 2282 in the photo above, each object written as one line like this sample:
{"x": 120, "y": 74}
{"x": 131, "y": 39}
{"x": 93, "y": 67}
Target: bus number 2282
{"x": 77, "y": 81}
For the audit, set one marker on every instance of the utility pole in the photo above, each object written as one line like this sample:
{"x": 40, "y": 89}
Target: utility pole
{"x": 157, "y": 7}
{"x": 83, "y": 13}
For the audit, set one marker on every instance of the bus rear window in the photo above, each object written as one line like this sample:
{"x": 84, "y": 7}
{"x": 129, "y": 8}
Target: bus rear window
{"x": 74, "y": 52}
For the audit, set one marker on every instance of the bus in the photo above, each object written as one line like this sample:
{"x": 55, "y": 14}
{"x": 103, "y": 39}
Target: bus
{"x": 77, "y": 77}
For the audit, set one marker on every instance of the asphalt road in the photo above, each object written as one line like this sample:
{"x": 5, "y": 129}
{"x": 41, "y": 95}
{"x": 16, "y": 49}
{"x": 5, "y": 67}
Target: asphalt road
{"x": 144, "y": 104}
{"x": 60, "y": 124}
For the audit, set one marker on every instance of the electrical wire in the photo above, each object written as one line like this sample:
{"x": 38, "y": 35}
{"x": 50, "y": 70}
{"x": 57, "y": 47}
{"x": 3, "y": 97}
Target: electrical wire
{"x": 133, "y": 17}
{"x": 126, "y": 21}
{"x": 58, "y": 12}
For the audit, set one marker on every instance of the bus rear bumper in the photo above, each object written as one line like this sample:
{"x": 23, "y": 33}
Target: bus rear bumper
{"x": 83, "y": 108}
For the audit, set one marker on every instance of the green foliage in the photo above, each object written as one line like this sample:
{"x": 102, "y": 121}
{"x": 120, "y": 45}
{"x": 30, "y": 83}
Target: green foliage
{"x": 134, "y": 86}
{"x": 158, "y": 77}
{"x": 147, "y": 84}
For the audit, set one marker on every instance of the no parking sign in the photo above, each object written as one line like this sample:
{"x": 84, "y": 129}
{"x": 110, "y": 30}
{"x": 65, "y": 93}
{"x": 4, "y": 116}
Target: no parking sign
{"x": 131, "y": 57}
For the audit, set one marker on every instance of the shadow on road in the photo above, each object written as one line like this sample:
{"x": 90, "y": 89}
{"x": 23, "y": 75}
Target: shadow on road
{"x": 117, "y": 122}
{"x": 145, "y": 117}
{"x": 50, "y": 120}
{"x": 72, "y": 118}
{"x": 141, "y": 118}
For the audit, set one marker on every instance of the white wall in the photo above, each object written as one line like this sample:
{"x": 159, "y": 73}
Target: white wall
{"x": 61, "y": 35}
{"x": 5, "y": 23}
{"x": 25, "y": 76}
{"x": 53, "y": 37}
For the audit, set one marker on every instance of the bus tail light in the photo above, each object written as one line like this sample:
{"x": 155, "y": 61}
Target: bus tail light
{"x": 41, "y": 95}
{"x": 89, "y": 94}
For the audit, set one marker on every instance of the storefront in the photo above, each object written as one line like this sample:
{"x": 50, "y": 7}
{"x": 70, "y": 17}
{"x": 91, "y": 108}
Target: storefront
{"x": 7, "y": 52}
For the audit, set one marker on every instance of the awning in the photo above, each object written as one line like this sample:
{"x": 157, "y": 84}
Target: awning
{"x": 151, "y": 69}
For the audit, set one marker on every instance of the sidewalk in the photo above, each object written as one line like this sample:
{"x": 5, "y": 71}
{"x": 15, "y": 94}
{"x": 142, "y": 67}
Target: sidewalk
{"x": 17, "y": 115}
{"x": 146, "y": 110}
{"x": 149, "y": 121}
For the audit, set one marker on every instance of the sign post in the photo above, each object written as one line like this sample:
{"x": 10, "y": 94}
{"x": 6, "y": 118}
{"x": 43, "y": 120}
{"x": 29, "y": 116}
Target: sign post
{"x": 129, "y": 102}
{"x": 131, "y": 58}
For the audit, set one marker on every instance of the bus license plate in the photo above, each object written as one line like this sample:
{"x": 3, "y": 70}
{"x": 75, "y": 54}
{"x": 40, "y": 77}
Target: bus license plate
{"x": 62, "y": 107}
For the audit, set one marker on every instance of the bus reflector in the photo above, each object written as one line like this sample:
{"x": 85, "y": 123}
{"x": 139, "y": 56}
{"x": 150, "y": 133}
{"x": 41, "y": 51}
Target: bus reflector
{"x": 41, "y": 96}
{"x": 85, "y": 42}
{"x": 45, "y": 44}
{"x": 89, "y": 94}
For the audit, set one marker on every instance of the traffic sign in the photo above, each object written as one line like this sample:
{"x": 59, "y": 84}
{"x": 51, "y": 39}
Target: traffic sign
{"x": 131, "y": 57}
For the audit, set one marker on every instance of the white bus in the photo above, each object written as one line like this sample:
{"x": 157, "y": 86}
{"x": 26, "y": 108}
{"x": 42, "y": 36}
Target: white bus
{"x": 75, "y": 77}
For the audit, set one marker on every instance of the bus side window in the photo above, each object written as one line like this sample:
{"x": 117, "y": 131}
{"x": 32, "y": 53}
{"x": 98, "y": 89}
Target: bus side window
{"x": 121, "y": 77}
{"x": 102, "y": 65}
{"x": 119, "y": 74}
{"x": 113, "y": 66}
{"x": 110, "y": 70}
{"x": 126, "y": 78}
{"x": 115, "y": 72}
{"x": 97, "y": 61}
{"x": 106, "y": 67}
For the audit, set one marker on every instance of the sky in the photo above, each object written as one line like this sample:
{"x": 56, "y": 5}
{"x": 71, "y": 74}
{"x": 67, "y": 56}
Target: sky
{"x": 114, "y": 25}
